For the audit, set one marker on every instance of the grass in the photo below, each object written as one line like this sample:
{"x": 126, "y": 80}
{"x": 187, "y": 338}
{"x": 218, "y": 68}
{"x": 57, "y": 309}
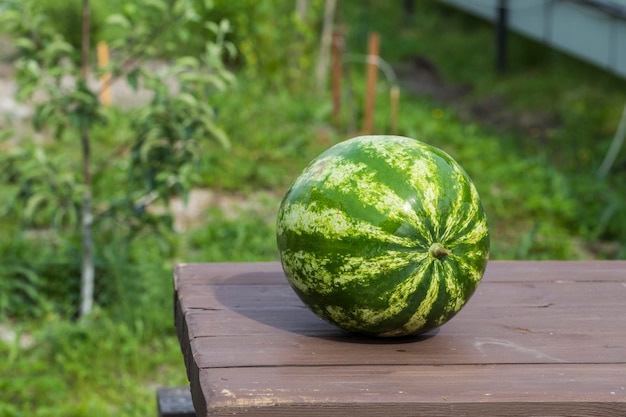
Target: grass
{"x": 584, "y": 99}
{"x": 103, "y": 367}
{"x": 540, "y": 193}
{"x": 572, "y": 111}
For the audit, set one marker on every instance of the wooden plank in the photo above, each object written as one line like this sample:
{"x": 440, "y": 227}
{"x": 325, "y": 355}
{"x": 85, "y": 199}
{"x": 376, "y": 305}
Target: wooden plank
{"x": 488, "y": 295}
{"x": 556, "y": 271}
{"x": 292, "y": 350}
{"x": 541, "y": 338}
{"x": 231, "y": 273}
{"x": 497, "y": 271}
{"x": 443, "y": 348}
{"x": 545, "y": 322}
{"x": 494, "y": 322}
{"x": 511, "y": 390}
{"x": 460, "y": 341}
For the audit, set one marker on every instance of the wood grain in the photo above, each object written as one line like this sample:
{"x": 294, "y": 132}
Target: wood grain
{"x": 416, "y": 390}
{"x": 537, "y": 338}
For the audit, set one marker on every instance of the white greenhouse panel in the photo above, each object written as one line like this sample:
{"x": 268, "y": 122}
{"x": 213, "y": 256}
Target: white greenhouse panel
{"x": 582, "y": 32}
{"x": 572, "y": 27}
{"x": 620, "y": 59}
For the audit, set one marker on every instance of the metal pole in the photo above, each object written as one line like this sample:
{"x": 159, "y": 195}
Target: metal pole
{"x": 372, "y": 73}
{"x": 337, "y": 70}
{"x": 501, "y": 30}
{"x": 616, "y": 146}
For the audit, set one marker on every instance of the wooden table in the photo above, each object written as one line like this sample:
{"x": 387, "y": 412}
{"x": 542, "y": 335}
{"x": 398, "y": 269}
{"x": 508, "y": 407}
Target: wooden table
{"x": 537, "y": 338}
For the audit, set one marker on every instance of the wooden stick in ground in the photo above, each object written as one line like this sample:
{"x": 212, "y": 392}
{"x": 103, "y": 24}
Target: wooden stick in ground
{"x": 325, "y": 44}
{"x": 393, "y": 109}
{"x": 372, "y": 73}
{"x": 105, "y": 79}
{"x": 337, "y": 49}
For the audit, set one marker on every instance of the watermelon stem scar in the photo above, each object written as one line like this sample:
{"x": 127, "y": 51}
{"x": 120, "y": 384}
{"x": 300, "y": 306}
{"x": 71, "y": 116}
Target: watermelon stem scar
{"x": 437, "y": 251}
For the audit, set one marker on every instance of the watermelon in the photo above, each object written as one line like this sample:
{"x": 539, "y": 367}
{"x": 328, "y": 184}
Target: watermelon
{"x": 383, "y": 235}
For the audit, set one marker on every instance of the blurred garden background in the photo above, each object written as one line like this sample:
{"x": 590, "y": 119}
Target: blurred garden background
{"x": 215, "y": 107}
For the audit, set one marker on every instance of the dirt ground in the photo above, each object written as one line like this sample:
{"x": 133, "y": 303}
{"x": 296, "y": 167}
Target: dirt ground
{"x": 421, "y": 76}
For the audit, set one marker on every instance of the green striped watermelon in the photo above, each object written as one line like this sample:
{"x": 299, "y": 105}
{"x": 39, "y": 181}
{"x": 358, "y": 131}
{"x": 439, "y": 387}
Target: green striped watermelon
{"x": 383, "y": 235}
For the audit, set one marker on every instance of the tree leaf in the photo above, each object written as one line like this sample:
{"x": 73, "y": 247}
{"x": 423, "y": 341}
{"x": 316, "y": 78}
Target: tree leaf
{"x": 132, "y": 78}
{"x": 34, "y": 204}
{"x": 217, "y": 133}
{"x": 187, "y": 100}
{"x": 213, "y": 27}
{"x": 118, "y": 20}
{"x": 43, "y": 113}
{"x": 57, "y": 49}
{"x": 187, "y": 62}
{"x": 225, "y": 26}
{"x": 25, "y": 44}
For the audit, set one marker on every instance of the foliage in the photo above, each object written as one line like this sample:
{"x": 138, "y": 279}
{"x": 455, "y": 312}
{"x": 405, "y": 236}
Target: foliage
{"x": 167, "y": 133}
{"x": 35, "y": 185}
{"x": 274, "y": 135}
{"x": 65, "y": 17}
{"x": 87, "y": 369}
{"x": 32, "y": 286}
{"x": 233, "y": 239}
{"x": 549, "y": 112}
{"x": 539, "y": 191}
{"x": 275, "y": 43}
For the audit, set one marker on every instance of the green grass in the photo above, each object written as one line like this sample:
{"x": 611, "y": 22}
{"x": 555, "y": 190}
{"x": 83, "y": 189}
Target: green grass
{"x": 538, "y": 181}
{"x": 540, "y": 194}
{"x": 100, "y": 367}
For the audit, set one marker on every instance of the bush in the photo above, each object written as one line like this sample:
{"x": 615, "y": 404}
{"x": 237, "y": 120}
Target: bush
{"x": 64, "y": 17}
